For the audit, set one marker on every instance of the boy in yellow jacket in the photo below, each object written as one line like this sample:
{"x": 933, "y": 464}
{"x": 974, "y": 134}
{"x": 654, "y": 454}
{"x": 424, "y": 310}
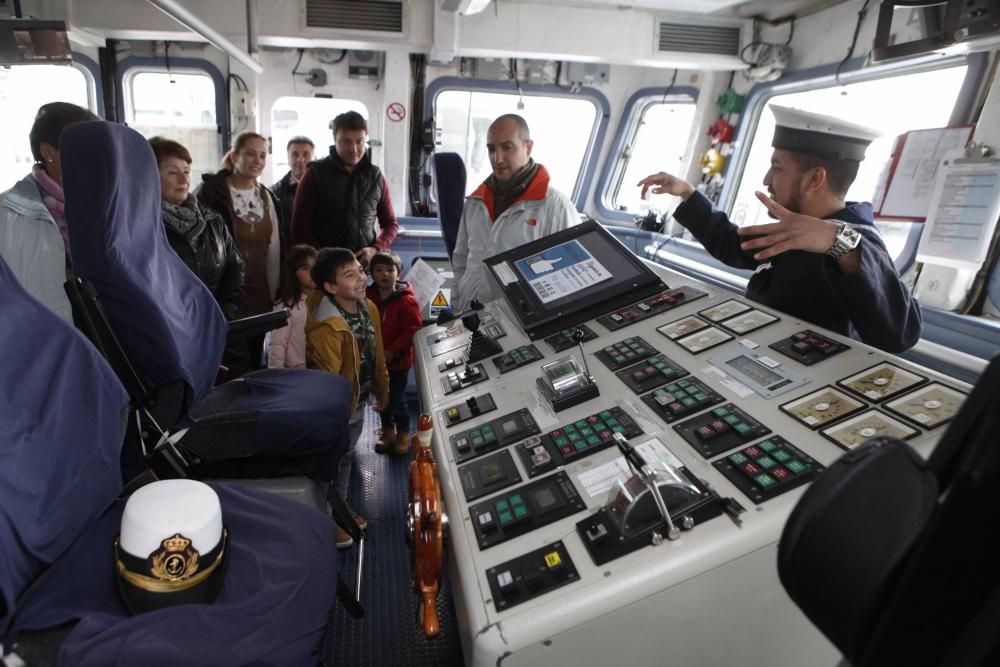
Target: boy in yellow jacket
{"x": 344, "y": 335}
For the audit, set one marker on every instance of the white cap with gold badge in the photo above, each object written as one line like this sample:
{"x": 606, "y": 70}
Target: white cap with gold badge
{"x": 172, "y": 545}
{"x": 822, "y": 136}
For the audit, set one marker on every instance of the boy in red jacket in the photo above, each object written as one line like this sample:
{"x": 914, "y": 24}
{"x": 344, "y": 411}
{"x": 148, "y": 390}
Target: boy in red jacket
{"x": 401, "y": 318}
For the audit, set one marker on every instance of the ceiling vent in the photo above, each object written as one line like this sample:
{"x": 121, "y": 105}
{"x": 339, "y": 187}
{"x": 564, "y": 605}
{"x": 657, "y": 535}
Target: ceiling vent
{"x": 720, "y": 40}
{"x": 366, "y": 15}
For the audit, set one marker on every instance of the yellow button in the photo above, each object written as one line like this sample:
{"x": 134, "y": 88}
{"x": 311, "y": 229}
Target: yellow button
{"x": 553, "y": 559}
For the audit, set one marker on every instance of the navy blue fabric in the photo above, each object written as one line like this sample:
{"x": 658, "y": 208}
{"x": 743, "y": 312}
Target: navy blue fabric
{"x": 63, "y": 415}
{"x": 871, "y": 304}
{"x": 300, "y": 413}
{"x": 166, "y": 318}
{"x": 450, "y": 177}
{"x": 278, "y": 590}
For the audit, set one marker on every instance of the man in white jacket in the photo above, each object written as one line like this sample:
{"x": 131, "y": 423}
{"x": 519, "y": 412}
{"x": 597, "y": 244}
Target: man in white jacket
{"x": 513, "y": 206}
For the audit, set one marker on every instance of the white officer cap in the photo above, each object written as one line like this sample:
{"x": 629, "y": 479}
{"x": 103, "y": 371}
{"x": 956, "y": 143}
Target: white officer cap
{"x": 172, "y": 545}
{"x": 825, "y": 137}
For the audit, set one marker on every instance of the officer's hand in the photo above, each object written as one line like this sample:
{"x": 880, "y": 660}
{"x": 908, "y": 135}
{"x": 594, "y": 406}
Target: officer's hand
{"x": 365, "y": 255}
{"x": 664, "y": 183}
{"x": 792, "y": 231}
{"x": 381, "y": 405}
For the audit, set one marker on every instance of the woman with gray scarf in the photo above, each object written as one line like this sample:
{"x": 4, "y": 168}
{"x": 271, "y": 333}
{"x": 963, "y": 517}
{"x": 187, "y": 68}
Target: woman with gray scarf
{"x": 198, "y": 235}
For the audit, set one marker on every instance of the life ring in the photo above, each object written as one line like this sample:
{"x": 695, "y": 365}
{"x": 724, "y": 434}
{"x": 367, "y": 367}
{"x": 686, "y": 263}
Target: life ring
{"x": 426, "y": 524}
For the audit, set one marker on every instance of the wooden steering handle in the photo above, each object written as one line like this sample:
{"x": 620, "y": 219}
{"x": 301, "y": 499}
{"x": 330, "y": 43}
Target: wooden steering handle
{"x": 426, "y": 516}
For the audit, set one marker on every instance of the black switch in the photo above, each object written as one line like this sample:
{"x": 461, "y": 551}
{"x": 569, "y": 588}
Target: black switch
{"x": 473, "y": 405}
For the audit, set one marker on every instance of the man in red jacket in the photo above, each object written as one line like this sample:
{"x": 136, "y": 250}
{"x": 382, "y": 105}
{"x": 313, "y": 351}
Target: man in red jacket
{"x": 400, "y": 315}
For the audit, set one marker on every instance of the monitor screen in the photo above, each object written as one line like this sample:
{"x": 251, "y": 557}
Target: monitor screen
{"x": 27, "y": 41}
{"x": 571, "y": 276}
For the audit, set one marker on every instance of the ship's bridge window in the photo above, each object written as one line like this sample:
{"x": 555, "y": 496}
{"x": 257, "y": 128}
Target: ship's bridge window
{"x": 309, "y": 117}
{"x": 562, "y": 128}
{"x": 893, "y": 104}
{"x": 655, "y": 137}
{"x": 24, "y": 88}
{"x": 179, "y": 105}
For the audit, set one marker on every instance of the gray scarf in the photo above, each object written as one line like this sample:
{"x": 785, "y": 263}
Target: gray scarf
{"x": 186, "y": 219}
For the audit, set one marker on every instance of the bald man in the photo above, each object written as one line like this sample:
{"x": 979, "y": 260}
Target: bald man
{"x": 515, "y": 205}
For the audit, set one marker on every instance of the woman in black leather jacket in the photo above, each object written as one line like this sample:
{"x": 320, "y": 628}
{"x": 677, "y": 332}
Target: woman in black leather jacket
{"x": 197, "y": 234}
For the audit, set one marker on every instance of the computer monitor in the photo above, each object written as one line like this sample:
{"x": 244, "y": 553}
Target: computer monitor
{"x": 27, "y": 41}
{"x": 571, "y": 276}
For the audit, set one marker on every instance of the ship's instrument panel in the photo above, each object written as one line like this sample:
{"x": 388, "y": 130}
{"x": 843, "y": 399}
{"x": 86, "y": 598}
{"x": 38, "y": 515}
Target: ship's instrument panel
{"x": 619, "y": 447}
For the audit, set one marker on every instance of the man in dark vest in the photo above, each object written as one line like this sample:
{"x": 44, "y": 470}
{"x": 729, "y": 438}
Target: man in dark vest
{"x": 341, "y": 196}
{"x": 300, "y": 154}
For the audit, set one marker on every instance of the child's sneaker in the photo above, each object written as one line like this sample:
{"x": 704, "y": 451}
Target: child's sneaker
{"x": 386, "y": 438}
{"x": 401, "y": 447}
{"x": 344, "y": 539}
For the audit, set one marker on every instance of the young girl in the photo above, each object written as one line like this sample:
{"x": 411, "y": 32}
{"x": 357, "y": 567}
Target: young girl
{"x": 401, "y": 318}
{"x": 288, "y": 344}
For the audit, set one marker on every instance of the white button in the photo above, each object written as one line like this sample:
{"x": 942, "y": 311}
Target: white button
{"x": 868, "y": 431}
{"x": 505, "y": 579}
{"x": 769, "y": 362}
{"x": 746, "y": 342}
{"x": 881, "y": 381}
{"x": 932, "y": 404}
{"x": 822, "y": 406}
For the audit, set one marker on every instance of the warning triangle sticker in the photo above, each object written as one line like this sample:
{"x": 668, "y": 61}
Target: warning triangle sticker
{"x": 439, "y": 300}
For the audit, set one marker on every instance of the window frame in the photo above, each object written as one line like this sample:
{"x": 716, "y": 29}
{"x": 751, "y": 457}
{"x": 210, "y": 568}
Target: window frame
{"x": 615, "y": 165}
{"x": 589, "y": 163}
{"x": 133, "y": 65}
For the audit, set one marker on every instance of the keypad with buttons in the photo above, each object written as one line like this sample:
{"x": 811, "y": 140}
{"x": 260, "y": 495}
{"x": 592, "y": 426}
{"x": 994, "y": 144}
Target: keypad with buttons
{"x": 519, "y": 356}
{"x": 681, "y": 398}
{"x": 576, "y": 440}
{"x": 625, "y": 353}
{"x": 808, "y": 347}
{"x": 531, "y": 575}
{"x": 496, "y": 433}
{"x": 651, "y": 373}
{"x": 458, "y": 380}
{"x": 524, "y": 508}
{"x": 720, "y": 430}
{"x": 768, "y": 468}
{"x": 654, "y": 305}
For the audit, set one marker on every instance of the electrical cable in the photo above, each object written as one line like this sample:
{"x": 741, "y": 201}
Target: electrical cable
{"x": 854, "y": 41}
{"x": 670, "y": 86}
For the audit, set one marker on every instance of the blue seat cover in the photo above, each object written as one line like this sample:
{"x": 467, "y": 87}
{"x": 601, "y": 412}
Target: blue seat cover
{"x": 167, "y": 320}
{"x": 450, "y": 178}
{"x": 63, "y": 416}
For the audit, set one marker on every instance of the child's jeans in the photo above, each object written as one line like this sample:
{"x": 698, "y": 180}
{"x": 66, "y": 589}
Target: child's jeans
{"x": 355, "y": 425}
{"x": 396, "y": 414}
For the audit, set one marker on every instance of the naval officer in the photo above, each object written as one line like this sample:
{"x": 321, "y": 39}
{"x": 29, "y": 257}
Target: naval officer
{"x": 822, "y": 260}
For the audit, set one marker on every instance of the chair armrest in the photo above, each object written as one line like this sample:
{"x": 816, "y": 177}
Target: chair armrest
{"x": 256, "y": 325}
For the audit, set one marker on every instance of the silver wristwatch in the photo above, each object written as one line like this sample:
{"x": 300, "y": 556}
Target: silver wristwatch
{"x": 847, "y": 240}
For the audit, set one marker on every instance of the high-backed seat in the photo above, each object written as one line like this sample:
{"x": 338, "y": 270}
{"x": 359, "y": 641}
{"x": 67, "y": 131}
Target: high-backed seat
{"x": 165, "y": 334}
{"x": 63, "y": 413}
{"x": 450, "y": 179}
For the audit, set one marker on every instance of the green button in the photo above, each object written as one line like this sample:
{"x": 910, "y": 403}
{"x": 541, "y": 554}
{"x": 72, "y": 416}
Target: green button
{"x": 768, "y": 445}
{"x": 731, "y": 419}
{"x": 639, "y": 349}
{"x": 618, "y": 429}
{"x": 489, "y": 437}
{"x": 476, "y": 439}
{"x": 689, "y": 402}
{"x": 796, "y": 466}
{"x": 593, "y": 440}
{"x": 701, "y": 397}
{"x": 573, "y": 437}
{"x": 581, "y": 424}
{"x": 502, "y": 506}
{"x": 580, "y": 446}
{"x": 560, "y": 441}
{"x": 611, "y": 422}
{"x": 569, "y": 428}
{"x": 586, "y": 431}
{"x": 738, "y": 458}
{"x": 742, "y": 428}
{"x": 720, "y": 412}
{"x": 619, "y": 359}
{"x": 487, "y": 430}
{"x": 609, "y": 350}
{"x": 766, "y": 462}
{"x": 693, "y": 389}
{"x": 505, "y": 517}
{"x": 779, "y": 454}
{"x": 520, "y": 512}
{"x": 605, "y": 414}
{"x": 764, "y": 480}
{"x": 516, "y": 499}
{"x": 683, "y": 383}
